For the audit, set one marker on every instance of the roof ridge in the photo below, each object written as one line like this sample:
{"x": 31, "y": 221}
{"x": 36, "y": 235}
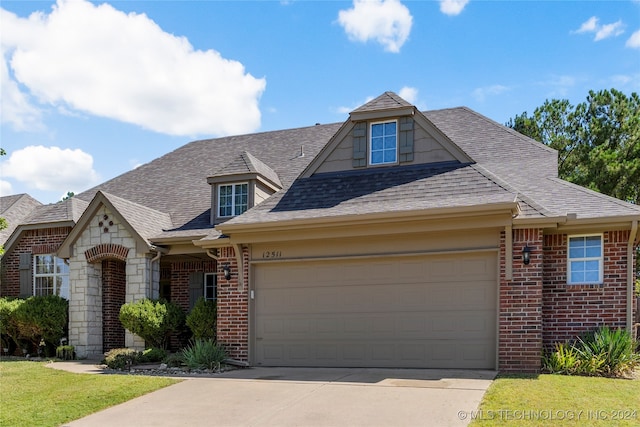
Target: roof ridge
{"x": 509, "y": 187}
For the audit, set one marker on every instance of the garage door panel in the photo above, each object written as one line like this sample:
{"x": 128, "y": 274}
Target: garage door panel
{"x": 437, "y": 311}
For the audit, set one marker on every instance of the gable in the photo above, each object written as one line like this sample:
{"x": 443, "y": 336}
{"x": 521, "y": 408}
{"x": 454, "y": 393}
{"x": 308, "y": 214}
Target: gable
{"x": 419, "y": 141}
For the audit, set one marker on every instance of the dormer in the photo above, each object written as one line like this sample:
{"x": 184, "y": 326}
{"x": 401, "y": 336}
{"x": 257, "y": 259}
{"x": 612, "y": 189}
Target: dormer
{"x": 242, "y": 184}
{"x": 385, "y": 132}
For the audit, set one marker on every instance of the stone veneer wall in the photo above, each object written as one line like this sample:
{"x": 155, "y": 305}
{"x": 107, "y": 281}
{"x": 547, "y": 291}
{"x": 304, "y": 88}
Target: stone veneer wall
{"x": 85, "y": 304}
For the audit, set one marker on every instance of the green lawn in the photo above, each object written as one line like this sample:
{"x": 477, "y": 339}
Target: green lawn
{"x": 560, "y": 400}
{"x": 33, "y": 395}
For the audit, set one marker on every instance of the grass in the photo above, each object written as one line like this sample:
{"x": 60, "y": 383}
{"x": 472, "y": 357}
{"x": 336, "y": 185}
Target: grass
{"x": 560, "y": 400}
{"x": 34, "y": 395}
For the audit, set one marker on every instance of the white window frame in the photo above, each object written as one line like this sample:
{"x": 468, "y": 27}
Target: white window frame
{"x": 584, "y": 259}
{"x": 370, "y": 144}
{"x": 210, "y": 281}
{"x": 60, "y": 271}
{"x": 233, "y": 186}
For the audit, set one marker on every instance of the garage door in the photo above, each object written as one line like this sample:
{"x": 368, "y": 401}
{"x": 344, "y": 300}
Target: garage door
{"x": 424, "y": 312}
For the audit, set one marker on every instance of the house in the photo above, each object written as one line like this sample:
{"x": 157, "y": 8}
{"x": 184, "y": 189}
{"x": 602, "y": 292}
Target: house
{"x": 398, "y": 238}
{"x": 14, "y": 209}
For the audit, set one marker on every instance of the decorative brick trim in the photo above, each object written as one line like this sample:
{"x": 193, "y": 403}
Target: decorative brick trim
{"x": 106, "y": 251}
{"x": 44, "y": 249}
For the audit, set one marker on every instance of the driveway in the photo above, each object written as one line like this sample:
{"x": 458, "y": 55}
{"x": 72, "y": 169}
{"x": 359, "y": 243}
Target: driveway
{"x": 307, "y": 397}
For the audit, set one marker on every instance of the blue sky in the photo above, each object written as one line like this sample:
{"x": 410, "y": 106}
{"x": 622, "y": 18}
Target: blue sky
{"x": 90, "y": 90}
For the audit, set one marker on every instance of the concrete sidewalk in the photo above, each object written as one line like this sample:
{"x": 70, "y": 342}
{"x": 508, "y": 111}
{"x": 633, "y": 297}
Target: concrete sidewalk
{"x": 301, "y": 397}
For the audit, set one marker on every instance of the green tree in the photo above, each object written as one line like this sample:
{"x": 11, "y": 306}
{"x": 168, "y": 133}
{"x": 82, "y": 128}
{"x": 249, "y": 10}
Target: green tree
{"x": 69, "y": 195}
{"x": 598, "y": 141}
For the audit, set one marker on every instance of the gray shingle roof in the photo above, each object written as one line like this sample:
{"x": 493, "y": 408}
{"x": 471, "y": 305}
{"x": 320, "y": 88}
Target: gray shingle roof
{"x": 246, "y": 162}
{"x": 173, "y": 190}
{"x": 15, "y": 209}
{"x": 146, "y": 221}
{"x": 68, "y": 210}
{"x": 176, "y": 183}
{"x": 386, "y": 101}
{"x": 403, "y": 188}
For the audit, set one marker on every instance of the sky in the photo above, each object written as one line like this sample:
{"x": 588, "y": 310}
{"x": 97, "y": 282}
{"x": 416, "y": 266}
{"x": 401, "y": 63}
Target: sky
{"x": 90, "y": 90}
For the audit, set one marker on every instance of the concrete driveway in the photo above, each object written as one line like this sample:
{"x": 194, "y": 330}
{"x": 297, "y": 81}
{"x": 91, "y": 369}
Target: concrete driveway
{"x": 307, "y": 397}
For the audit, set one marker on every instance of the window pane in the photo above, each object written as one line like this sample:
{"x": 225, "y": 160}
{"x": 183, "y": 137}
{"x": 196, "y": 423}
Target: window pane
{"x": 376, "y": 157}
{"x": 577, "y": 277}
{"x": 390, "y": 142}
{"x": 377, "y": 144}
{"x": 577, "y": 266}
{"x": 390, "y": 156}
{"x": 376, "y": 130}
{"x": 576, "y": 252}
{"x": 390, "y": 128}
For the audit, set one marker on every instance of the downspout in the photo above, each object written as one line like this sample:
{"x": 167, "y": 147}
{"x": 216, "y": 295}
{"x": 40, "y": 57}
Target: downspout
{"x": 154, "y": 259}
{"x": 630, "y": 281}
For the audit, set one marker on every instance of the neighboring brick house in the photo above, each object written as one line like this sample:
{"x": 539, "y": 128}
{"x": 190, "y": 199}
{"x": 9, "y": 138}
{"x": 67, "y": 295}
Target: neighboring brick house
{"x": 398, "y": 238}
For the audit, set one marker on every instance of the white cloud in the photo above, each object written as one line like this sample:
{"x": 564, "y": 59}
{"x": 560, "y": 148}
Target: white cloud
{"x": 601, "y": 32}
{"x": 409, "y": 94}
{"x": 15, "y": 108}
{"x": 452, "y": 7}
{"x": 101, "y": 61}
{"x": 481, "y": 93}
{"x": 6, "y": 188}
{"x": 588, "y": 26}
{"x": 634, "y": 40}
{"x": 609, "y": 30}
{"x": 388, "y": 22}
{"x": 51, "y": 168}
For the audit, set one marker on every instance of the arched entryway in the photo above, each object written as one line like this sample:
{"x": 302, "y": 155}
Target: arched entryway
{"x": 114, "y": 290}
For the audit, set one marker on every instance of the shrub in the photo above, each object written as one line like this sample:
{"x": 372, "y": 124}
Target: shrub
{"x": 42, "y": 318}
{"x": 202, "y": 320}
{"x": 65, "y": 352}
{"x": 564, "y": 360}
{"x": 174, "y": 360}
{"x": 152, "y": 320}
{"x": 203, "y": 354}
{"x": 610, "y": 351}
{"x": 152, "y": 355}
{"x": 604, "y": 352}
{"x": 121, "y": 358}
{"x": 9, "y": 330}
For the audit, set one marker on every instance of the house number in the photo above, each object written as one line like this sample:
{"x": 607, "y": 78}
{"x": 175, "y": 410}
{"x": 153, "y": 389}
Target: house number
{"x": 271, "y": 254}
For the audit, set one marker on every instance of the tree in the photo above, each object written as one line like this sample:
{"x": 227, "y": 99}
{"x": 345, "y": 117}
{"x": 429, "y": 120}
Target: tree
{"x": 598, "y": 141}
{"x": 69, "y": 195}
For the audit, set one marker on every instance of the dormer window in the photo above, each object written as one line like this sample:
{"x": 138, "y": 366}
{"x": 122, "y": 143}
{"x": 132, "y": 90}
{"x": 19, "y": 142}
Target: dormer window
{"x": 233, "y": 199}
{"x": 383, "y": 146}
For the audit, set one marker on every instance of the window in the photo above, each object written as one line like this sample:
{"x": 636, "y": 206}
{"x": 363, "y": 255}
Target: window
{"x": 210, "y": 287}
{"x": 50, "y": 276}
{"x": 585, "y": 260}
{"x": 233, "y": 199}
{"x": 384, "y": 143}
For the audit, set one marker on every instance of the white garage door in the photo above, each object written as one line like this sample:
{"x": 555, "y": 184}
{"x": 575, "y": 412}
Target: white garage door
{"x": 426, "y": 312}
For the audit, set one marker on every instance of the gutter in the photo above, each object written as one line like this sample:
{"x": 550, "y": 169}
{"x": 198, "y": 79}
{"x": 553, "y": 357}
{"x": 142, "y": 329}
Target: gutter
{"x": 630, "y": 278}
{"x": 154, "y": 259}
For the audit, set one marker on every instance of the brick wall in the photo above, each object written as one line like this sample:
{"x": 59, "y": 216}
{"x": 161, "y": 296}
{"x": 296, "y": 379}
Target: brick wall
{"x": 520, "y": 319}
{"x": 233, "y": 306}
{"x": 114, "y": 290}
{"x": 179, "y": 274}
{"x": 43, "y": 241}
{"x": 571, "y": 310}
